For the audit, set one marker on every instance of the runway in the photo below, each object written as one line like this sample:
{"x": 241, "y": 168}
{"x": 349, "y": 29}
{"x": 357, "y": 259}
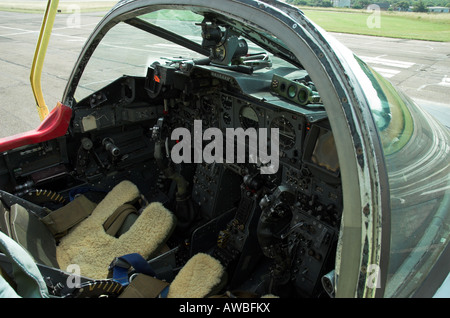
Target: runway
{"x": 421, "y": 69}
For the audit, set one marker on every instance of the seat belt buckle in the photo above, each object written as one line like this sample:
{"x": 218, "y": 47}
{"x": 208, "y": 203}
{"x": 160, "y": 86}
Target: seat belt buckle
{"x": 118, "y": 262}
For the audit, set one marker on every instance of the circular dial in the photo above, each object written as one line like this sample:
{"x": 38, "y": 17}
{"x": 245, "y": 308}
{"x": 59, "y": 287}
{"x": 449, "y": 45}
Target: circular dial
{"x": 226, "y": 118}
{"x": 286, "y": 132}
{"x": 248, "y": 118}
{"x": 227, "y": 102}
{"x": 207, "y": 104}
{"x": 292, "y": 90}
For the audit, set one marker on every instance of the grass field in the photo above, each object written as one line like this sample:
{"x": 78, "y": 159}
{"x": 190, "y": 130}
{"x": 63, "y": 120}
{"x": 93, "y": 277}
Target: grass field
{"x": 407, "y": 25}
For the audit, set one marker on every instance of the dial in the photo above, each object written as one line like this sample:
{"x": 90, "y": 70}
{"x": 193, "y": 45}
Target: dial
{"x": 292, "y": 91}
{"x": 207, "y": 105}
{"x": 248, "y": 117}
{"x": 227, "y": 102}
{"x": 304, "y": 95}
{"x": 226, "y": 118}
{"x": 286, "y": 132}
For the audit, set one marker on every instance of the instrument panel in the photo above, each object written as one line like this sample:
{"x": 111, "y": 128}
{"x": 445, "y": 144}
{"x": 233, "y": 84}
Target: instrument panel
{"x": 238, "y": 112}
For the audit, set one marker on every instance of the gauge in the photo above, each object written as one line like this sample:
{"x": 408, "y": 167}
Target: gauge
{"x": 226, "y": 118}
{"x": 227, "y": 102}
{"x": 248, "y": 118}
{"x": 207, "y": 105}
{"x": 292, "y": 90}
{"x": 286, "y": 132}
{"x": 304, "y": 95}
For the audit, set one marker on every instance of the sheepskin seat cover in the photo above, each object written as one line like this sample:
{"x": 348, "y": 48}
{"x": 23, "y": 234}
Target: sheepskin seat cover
{"x": 198, "y": 278}
{"x": 91, "y": 248}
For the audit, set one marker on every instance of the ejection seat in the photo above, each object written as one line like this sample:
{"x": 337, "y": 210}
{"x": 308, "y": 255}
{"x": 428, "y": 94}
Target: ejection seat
{"x": 89, "y": 239}
{"x": 201, "y": 276}
{"x": 89, "y": 245}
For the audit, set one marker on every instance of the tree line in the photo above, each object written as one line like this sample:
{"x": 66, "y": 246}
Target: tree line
{"x": 401, "y": 5}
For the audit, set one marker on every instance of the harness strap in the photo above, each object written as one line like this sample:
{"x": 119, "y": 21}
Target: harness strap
{"x": 120, "y": 266}
{"x": 144, "y": 286}
{"x": 66, "y": 217}
{"x": 113, "y": 224}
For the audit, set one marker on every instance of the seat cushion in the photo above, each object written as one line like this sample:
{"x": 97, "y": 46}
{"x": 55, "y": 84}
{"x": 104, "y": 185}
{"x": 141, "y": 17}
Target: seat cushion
{"x": 91, "y": 248}
{"x": 200, "y": 277}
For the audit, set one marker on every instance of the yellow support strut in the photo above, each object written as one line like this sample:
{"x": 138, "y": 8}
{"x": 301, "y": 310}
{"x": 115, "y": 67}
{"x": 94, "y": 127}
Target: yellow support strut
{"x": 39, "y": 56}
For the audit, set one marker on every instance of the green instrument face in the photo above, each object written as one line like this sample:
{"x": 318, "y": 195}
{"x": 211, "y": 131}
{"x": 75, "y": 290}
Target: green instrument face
{"x": 303, "y": 96}
{"x": 292, "y": 90}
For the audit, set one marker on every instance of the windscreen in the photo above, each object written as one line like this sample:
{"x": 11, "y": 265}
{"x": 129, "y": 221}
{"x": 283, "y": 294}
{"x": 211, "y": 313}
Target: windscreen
{"x": 416, "y": 149}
